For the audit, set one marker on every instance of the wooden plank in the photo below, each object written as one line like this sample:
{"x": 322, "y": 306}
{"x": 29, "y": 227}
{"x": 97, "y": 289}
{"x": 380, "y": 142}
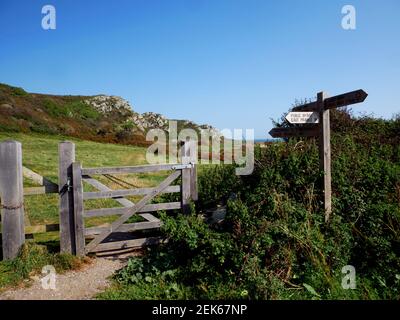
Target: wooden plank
{"x": 48, "y": 185}
{"x": 42, "y": 228}
{"x": 66, "y": 156}
{"x": 34, "y": 191}
{"x": 78, "y": 209}
{"x": 129, "y": 227}
{"x": 194, "y": 193}
{"x": 193, "y": 171}
{"x": 325, "y": 154}
{"x": 124, "y": 193}
{"x": 186, "y": 175}
{"x": 151, "y": 218}
{"x": 99, "y": 186}
{"x": 345, "y": 99}
{"x": 39, "y": 190}
{"x": 120, "y": 245}
{"x": 120, "y": 211}
{"x": 340, "y": 100}
{"x": 311, "y": 106}
{"x": 125, "y": 202}
{"x": 114, "y": 226}
{"x": 12, "y": 199}
{"x": 125, "y": 170}
{"x": 295, "y": 132}
{"x": 122, "y": 251}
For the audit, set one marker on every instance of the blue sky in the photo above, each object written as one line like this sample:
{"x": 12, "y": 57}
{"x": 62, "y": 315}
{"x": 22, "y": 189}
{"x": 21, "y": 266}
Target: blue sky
{"x": 228, "y": 63}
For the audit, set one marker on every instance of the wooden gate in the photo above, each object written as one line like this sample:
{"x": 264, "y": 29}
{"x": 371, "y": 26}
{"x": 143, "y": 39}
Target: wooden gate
{"x": 76, "y": 234}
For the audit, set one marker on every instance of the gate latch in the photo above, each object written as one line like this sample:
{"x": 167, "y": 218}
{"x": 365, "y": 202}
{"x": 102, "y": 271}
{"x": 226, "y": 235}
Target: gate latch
{"x": 183, "y": 166}
{"x": 69, "y": 185}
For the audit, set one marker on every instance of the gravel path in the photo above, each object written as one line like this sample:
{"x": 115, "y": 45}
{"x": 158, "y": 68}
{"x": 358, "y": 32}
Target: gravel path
{"x": 82, "y": 284}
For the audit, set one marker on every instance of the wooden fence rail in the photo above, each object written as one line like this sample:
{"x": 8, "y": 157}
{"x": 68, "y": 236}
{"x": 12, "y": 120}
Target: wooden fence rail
{"x": 30, "y": 191}
{"x": 125, "y": 170}
{"x": 124, "y": 193}
{"x": 71, "y": 196}
{"x": 47, "y": 186}
{"x": 120, "y": 211}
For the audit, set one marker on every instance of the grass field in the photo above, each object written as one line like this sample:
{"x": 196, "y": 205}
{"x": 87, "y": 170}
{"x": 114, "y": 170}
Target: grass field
{"x": 40, "y": 154}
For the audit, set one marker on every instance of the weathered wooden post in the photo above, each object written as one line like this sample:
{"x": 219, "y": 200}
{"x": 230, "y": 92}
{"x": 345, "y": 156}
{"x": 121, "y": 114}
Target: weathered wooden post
{"x": 186, "y": 178}
{"x": 325, "y": 153}
{"x": 193, "y": 171}
{"x": 12, "y": 198}
{"x": 78, "y": 209}
{"x": 66, "y": 152}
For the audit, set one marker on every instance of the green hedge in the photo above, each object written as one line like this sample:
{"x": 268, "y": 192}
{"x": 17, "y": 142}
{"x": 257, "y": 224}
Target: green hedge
{"x": 273, "y": 243}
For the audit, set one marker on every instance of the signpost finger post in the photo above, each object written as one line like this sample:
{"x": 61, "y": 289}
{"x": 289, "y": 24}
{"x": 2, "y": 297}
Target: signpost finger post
{"x": 317, "y": 114}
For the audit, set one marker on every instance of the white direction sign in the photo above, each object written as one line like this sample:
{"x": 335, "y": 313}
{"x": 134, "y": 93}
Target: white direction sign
{"x": 303, "y": 117}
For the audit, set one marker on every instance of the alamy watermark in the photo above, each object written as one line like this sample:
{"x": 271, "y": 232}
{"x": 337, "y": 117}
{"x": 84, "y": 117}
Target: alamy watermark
{"x": 225, "y": 146}
{"x": 349, "y": 18}
{"x": 49, "y": 18}
{"x": 49, "y": 280}
{"x": 349, "y": 280}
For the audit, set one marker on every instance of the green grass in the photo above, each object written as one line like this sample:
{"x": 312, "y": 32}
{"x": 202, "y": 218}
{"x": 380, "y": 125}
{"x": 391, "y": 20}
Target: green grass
{"x": 40, "y": 153}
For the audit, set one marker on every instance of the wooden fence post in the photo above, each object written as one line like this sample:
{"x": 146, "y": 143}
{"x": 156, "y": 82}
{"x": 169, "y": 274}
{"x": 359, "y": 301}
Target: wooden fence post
{"x": 66, "y": 152}
{"x": 325, "y": 153}
{"x": 186, "y": 175}
{"x": 78, "y": 209}
{"x": 193, "y": 171}
{"x": 12, "y": 198}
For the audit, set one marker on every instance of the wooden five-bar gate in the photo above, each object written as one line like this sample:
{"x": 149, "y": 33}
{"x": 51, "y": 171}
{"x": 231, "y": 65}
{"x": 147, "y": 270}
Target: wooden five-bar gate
{"x": 75, "y": 237}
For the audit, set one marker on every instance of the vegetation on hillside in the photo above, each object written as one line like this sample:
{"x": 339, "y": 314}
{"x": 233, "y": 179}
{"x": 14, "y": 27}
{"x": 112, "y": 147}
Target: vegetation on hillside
{"x": 273, "y": 243}
{"x": 99, "y": 118}
{"x": 66, "y": 115}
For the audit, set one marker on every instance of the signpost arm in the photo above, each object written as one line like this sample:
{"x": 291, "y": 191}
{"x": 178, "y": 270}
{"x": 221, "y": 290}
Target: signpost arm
{"x": 304, "y": 114}
{"x": 325, "y": 153}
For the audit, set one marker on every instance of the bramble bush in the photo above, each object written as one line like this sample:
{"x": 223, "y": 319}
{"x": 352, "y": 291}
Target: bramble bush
{"x": 273, "y": 242}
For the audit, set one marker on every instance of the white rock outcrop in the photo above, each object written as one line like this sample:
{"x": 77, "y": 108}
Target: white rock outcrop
{"x": 149, "y": 120}
{"x": 143, "y": 122}
{"x": 106, "y": 104}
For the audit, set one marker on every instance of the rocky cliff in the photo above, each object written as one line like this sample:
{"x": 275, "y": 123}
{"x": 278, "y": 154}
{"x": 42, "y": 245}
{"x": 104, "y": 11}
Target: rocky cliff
{"x": 145, "y": 121}
{"x": 101, "y": 118}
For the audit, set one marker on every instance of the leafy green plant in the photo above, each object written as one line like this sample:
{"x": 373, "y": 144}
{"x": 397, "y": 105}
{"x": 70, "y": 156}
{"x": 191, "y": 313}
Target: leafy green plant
{"x": 273, "y": 242}
{"x": 16, "y": 91}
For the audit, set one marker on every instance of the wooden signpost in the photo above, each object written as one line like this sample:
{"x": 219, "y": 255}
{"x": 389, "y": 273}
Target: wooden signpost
{"x": 317, "y": 113}
{"x": 293, "y": 132}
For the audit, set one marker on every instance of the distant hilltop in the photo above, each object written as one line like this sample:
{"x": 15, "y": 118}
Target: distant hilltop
{"x": 100, "y": 118}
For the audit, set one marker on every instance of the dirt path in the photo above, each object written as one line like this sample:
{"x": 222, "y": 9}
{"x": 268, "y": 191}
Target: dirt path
{"x": 82, "y": 284}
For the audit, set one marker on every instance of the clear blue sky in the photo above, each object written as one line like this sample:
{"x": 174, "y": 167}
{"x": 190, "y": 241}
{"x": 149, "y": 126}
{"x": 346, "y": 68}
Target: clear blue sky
{"x": 229, "y": 63}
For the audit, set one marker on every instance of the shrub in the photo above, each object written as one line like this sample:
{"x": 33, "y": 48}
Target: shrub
{"x": 81, "y": 110}
{"x": 18, "y": 92}
{"x": 55, "y": 109}
{"x": 273, "y": 242}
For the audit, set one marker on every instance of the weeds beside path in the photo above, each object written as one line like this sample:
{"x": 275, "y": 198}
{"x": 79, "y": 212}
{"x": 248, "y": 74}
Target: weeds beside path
{"x": 80, "y": 284}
